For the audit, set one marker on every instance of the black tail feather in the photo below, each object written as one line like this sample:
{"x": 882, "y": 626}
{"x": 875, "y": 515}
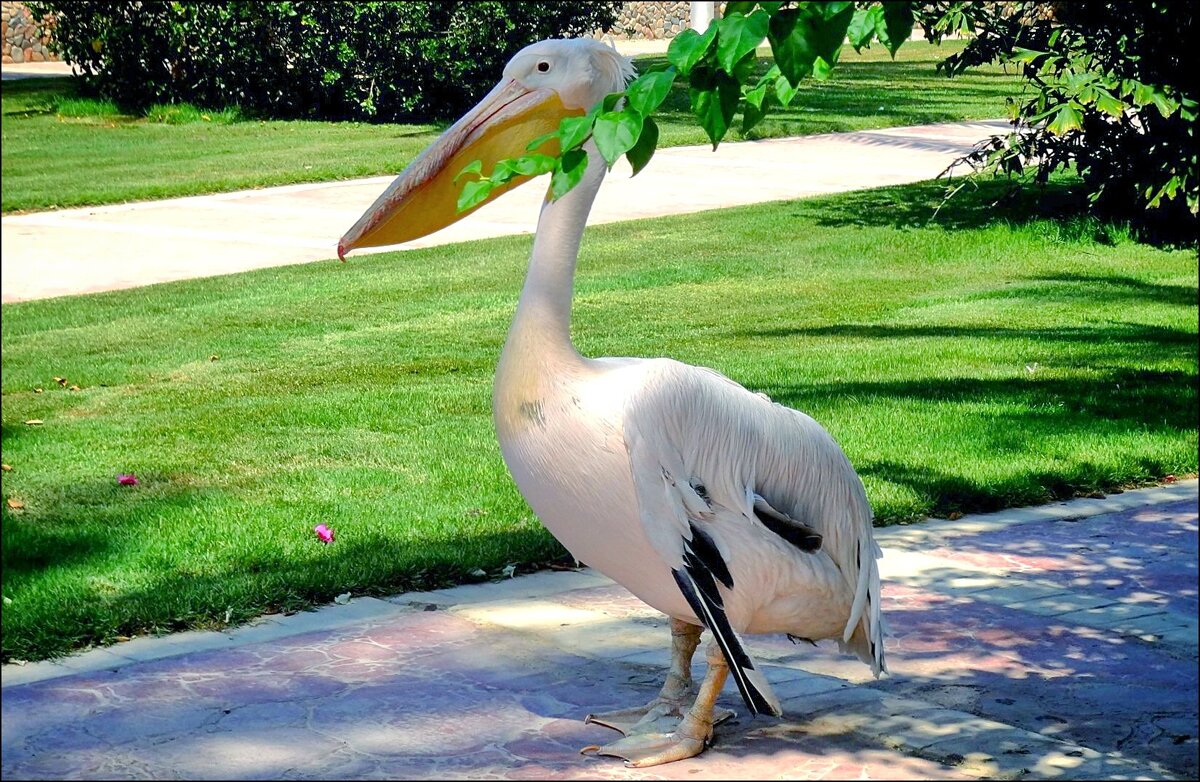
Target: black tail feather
{"x": 712, "y": 614}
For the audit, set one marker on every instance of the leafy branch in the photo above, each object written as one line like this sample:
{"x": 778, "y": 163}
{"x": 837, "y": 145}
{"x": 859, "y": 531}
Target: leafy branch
{"x": 805, "y": 39}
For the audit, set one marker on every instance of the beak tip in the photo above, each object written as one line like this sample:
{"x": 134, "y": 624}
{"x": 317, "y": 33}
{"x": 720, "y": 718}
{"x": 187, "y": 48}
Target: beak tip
{"x": 342, "y": 251}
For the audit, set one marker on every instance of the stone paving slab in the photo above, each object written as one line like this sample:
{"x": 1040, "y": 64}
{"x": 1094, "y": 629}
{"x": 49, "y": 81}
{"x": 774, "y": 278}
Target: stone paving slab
{"x": 491, "y": 681}
{"x": 129, "y": 245}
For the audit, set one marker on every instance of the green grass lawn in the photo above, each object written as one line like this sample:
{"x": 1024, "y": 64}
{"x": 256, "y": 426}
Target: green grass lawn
{"x": 969, "y": 365}
{"x": 60, "y": 150}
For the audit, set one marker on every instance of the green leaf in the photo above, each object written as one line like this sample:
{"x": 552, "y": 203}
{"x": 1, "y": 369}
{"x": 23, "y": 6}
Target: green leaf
{"x": 1144, "y": 94}
{"x": 1166, "y": 105}
{"x": 474, "y": 192}
{"x": 739, "y": 7}
{"x": 822, "y": 69}
{"x": 788, "y": 34}
{"x": 784, "y": 91}
{"x": 755, "y": 96}
{"x": 1020, "y": 54}
{"x": 641, "y": 152}
{"x": 829, "y": 31}
{"x": 573, "y": 131}
{"x": 616, "y": 132}
{"x": 568, "y": 170}
{"x": 1067, "y": 119}
{"x": 502, "y": 172}
{"x": 714, "y": 97}
{"x": 802, "y": 35}
{"x": 862, "y": 26}
{"x": 474, "y": 167}
{"x": 830, "y": 8}
{"x": 1109, "y": 104}
{"x": 897, "y": 24}
{"x": 751, "y": 116}
{"x": 739, "y": 35}
{"x": 690, "y": 47}
{"x": 542, "y": 139}
{"x": 648, "y": 91}
{"x": 755, "y": 103}
{"x": 531, "y": 165}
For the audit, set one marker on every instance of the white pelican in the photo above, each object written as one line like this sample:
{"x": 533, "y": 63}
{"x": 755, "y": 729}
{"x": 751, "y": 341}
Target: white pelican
{"x": 712, "y": 504}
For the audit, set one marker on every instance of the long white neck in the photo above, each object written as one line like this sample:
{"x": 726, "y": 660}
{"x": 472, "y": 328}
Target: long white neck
{"x": 542, "y": 325}
{"x": 538, "y": 356}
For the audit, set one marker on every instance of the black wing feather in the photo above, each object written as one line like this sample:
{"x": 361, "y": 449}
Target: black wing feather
{"x": 697, "y": 580}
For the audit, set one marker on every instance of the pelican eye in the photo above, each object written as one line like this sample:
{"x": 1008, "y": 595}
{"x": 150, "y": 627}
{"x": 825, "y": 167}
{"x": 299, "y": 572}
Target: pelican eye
{"x": 543, "y": 66}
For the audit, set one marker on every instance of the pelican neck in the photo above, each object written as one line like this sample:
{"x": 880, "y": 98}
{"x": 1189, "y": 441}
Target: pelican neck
{"x": 543, "y": 318}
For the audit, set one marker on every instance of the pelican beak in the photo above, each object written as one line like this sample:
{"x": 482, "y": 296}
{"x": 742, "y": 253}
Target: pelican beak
{"x": 424, "y": 198}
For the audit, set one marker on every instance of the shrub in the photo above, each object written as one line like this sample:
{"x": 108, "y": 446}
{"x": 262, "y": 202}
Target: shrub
{"x": 1112, "y": 94}
{"x": 379, "y": 61}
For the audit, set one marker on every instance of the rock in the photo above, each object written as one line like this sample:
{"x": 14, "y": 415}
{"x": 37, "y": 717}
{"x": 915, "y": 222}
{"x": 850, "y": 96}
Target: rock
{"x": 17, "y": 55}
{"x": 37, "y": 57}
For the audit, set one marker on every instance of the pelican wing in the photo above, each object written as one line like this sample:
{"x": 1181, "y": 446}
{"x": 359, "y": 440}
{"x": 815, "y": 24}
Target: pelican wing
{"x": 697, "y": 439}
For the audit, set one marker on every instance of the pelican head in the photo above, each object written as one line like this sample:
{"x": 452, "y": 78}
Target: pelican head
{"x": 542, "y": 84}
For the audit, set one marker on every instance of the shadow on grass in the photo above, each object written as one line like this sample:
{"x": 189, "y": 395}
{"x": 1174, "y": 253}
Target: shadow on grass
{"x": 987, "y": 202}
{"x": 1121, "y": 287}
{"x": 193, "y": 593}
{"x": 948, "y": 493}
{"x": 1160, "y": 339}
{"x": 1144, "y": 399}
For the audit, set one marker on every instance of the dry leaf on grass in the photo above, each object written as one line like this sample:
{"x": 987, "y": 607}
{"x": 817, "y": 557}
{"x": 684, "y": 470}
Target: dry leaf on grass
{"x": 34, "y": 422}
{"x": 6, "y": 467}
{"x": 15, "y": 504}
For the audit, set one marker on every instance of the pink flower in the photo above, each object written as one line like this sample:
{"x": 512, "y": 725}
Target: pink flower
{"x": 324, "y": 533}
{"x": 127, "y": 480}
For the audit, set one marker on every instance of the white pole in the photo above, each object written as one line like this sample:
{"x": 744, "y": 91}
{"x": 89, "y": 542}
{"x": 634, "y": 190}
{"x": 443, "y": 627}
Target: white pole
{"x": 702, "y": 14}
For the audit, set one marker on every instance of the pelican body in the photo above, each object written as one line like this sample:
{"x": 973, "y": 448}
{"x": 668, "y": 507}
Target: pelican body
{"x": 711, "y": 503}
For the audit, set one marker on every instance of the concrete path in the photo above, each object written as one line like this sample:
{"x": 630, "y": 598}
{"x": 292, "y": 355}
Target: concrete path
{"x": 105, "y": 248}
{"x": 1056, "y": 642}
{"x": 34, "y": 70}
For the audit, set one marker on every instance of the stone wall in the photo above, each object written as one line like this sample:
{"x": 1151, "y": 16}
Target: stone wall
{"x": 653, "y": 20}
{"x": 25, "y": 40}
{"x": 650, "y": 21}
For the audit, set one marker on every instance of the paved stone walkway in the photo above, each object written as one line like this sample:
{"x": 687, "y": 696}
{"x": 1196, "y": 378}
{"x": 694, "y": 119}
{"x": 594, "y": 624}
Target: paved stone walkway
{"x": 1057, "y": 642}
{"x": 129, "y": 245}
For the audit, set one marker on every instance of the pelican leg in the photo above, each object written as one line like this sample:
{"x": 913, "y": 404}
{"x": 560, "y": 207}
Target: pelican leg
{"x": 694, "y": 732}
{"x": 676, "y": 692}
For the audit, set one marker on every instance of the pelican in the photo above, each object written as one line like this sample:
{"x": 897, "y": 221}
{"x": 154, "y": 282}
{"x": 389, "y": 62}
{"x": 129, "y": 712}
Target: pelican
{"x": 713, "y": 504}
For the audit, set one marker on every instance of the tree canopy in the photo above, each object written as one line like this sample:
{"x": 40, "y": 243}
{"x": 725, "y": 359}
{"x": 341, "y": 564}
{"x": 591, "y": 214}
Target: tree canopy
{"x": 1110, "y": 92}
